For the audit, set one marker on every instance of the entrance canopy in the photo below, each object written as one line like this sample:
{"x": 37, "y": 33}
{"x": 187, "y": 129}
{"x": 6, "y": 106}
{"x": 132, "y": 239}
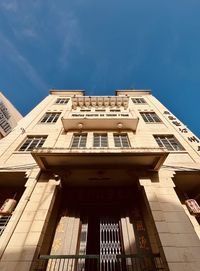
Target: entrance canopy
{"x": 146, "y": 158}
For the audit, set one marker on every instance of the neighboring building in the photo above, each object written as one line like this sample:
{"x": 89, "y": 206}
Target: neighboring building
{"x": 9, "y": 116}
{"x": 100, "y": 183}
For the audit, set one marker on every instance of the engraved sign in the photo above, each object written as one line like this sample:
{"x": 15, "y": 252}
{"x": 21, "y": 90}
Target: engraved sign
{"x": 193, "y": 207}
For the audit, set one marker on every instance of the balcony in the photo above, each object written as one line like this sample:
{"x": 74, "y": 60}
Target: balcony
{"x": 134, "y": 262}
{"x": 118, "y": 116}
{"x": 145, "y": 158}
{"x": 104, "y": 121}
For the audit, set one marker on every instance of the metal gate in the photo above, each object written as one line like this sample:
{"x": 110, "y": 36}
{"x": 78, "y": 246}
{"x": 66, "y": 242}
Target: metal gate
{"x": 110, "y": 245}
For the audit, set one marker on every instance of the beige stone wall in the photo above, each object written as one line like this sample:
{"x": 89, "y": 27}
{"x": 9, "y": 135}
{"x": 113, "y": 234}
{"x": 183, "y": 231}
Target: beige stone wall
{"x": 178, "y": 238}
{"x": 143, "y": 137}
{"x": 177, "y": 230}
{"x": 24, "y": 234}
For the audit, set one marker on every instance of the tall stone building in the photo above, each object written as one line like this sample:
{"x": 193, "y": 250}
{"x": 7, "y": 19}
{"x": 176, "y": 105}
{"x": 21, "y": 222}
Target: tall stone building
{"x": 9, "y": 116}
{"x": 100, "y": 183}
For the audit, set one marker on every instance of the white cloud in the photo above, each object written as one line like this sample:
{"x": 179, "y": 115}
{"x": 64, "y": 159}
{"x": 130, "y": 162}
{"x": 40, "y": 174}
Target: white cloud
{"x": 17, "y": 60}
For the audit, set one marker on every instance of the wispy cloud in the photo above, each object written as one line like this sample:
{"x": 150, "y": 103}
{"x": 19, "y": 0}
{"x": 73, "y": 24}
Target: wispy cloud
{"x": 69, "y": 29}
{"x": 9, "y": 5}
{"x": 13, "y": 56}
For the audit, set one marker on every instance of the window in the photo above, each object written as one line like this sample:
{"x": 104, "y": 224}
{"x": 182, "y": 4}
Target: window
{"x": 32, "y": 143}
{"x": 62, "y": 100}
{"x": 138, "y": 101}
{"x": 79, "y": 141}
{"x": 4, "y": 219}
{"x": 121, "y": 140}
{"x": 150, "y": 117}
{"x": 169, "y": 142}
{"x": 50, "y": 118}
{"x": 100, "y": 140}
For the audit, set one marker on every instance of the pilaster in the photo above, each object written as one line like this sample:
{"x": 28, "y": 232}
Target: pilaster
{"x": 179, "y": 242}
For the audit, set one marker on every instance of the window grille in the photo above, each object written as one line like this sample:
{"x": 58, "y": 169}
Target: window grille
{"x": 62, "y": 100}
{"x": 79, "y": 141}
{"x": 150, "y": 117}
{"x": 169, "y": 142}
{"x": 100, "y": 140}
{"x": 32, "y": 143}
{"x": 3, "y": 223}
{"x": 50, "y": 118}
{"x": 121, "y": 140}
{"x": 139, "y": 101}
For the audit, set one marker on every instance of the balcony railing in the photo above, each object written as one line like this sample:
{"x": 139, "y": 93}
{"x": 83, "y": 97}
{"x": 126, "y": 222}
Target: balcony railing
{"x": 133, "y": 262}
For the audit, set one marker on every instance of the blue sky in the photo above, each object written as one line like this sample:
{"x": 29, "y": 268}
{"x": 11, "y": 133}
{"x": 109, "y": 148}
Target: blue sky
{"x": 101, "y": 46}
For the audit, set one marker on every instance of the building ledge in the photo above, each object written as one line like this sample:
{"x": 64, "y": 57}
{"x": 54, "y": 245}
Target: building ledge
{"x": 147, "y": 158}
{"x": 99, "y": 123}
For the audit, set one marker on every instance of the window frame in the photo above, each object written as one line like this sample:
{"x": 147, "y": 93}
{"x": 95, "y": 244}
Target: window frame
{"x": 169, "y": 142}
{"x": 101, "y": 140}
{"x": 120, "y": 138}
{"x": 150, "y": 117}
{"x": 48, "y": 115}
{"x": 82, "y": 138}
{"x": 139, "y": 101}
{"x": 29, "y": 140}
{"x": 62, "y": 101}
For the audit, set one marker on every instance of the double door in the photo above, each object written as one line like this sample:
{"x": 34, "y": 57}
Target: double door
{"x": 101, "y": 235}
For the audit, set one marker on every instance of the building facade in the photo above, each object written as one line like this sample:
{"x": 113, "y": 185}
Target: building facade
{"x": 100, "y": 183}
{"x": 9, "y": 116}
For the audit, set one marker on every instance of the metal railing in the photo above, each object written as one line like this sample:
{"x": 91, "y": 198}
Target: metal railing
{"x": 67, "y": 263}
{"x": 140, "y": 262}
{"x": 3, "y": 222}
{"x": 133, "y": 262}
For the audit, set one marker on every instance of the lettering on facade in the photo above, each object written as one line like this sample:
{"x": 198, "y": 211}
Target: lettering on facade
{"x": 176, "y": 123}
{"x": 4, "y": 110}
{"x": 4, "y": 117}
{"x": 140, "y": 226}
{"x": 182, "y": 129}
{"x": 166, "y": 112}
{"x": 140, "y": 231}
{"x": 143, "y": 243}
{"x": 193, "y": 139}
{"x": 171, "y": 118}
{"x": 101, "y": 115}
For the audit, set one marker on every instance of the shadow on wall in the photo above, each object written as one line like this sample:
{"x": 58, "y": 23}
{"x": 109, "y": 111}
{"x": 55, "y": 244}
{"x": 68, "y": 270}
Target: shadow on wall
{"x": 176, "y": 240}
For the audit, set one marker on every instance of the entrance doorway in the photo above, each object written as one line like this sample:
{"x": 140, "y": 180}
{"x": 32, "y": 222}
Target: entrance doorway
{"x": 102, "y": 229}
{"x": 101, "y": 235}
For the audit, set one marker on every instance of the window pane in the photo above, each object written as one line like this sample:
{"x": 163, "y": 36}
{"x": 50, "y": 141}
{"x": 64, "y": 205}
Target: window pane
{"x": 79, "y": 141}
{"x": 138, "y": 100}
{"x": 50, "y": 117}
{"x": 62, "y": 101}
{"x": 150, "y": 117}
{"x": 169, "y": 142}
{"x": 32, "y": 143}
{"x": 121, "y": 140}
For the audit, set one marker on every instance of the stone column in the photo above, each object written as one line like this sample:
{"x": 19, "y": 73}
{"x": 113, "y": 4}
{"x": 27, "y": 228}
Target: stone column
{"x": 176, "y": 233}
{"x": 31, "y": 215}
